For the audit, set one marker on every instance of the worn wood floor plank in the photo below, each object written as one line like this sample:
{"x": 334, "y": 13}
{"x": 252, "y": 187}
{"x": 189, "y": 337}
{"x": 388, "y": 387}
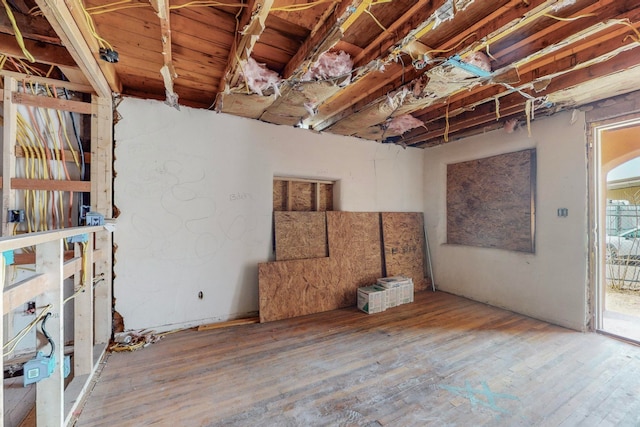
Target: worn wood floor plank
{"x": 442, "y": 360}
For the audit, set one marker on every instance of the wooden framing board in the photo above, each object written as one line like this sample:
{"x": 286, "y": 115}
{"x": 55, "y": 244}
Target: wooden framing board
{"x": 50, "y": 393}
{"x": 102, "y": 202}
{"x": 101, "y": 76}
{"x": 298, "y": 194}
{"x": 50, "y": 102}
{"x": 300, "y": 235}
{"x": 50, "y": 185}
{"x": 279, "y": 195}
{"x": 10, "y": 117}
{"x": 324, "y": 196}
{"x": 491, "y": 202}
{"x": 404, "y": 246}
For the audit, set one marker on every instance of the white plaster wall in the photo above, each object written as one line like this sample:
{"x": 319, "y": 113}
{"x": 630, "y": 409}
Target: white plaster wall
{"x": 195, "y": 193}
{"x": 550, "y": 284}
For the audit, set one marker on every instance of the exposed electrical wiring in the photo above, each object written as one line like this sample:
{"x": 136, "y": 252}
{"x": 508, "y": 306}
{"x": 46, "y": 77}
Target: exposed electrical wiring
{"x": 75, "y": 294}
{"x": 489, "y": 54}
{"x": 11, "y": 345}
{"x": 428, "y": 53}
{"x": 299, "y": 7}
{"x": 92, "y": 29}
{"x": 528, "y": 110}
{"x": 110, "y": 5}
{"x": 446, "y": 123}
{"x": 633, "y": 28}
{"x": 497, "y": 100}
{"x": 368, "y": 12}
{"x": 128, "y": 4}
{"x": 206, "y": 3}
{"x": 42, "y": 135}
{"x": 17, "y": 32}
{"x": 115, "y": 9}
{"x": 575, "y": 18}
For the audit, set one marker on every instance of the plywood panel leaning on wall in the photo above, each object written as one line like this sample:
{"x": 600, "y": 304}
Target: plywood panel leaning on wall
{"x": 404, "y": 245}
{"x": 296, "y": 288}
{"x": 355, "y": 243}
{"x": 300, "y": 235}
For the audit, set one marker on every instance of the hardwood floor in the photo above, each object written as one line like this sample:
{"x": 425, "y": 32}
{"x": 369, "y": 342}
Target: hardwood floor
{"x": 442, "y": 360}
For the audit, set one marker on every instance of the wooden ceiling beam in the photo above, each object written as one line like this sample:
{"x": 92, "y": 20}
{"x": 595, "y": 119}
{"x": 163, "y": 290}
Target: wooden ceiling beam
{"x": 583, "y": 49}
{"x": 486, "y": 113}
{"x": 363, "y": 92}
{"x": 74, "y": 34}
{"x": 252, "y": 24}
{"x": 167, "y": 71}
{"x": 32, "y": 27}
{"x": 557, "y": 30}
{"x": 45, "y": 53}
{"x": 411, "y": 20}
{"x": 325, "y": 36}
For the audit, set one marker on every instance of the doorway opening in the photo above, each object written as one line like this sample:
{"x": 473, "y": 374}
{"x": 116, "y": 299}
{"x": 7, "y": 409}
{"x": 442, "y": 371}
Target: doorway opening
{"x": 617, "y": 213}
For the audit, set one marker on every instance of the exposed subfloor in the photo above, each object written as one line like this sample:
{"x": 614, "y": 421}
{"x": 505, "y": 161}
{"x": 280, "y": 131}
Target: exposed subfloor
{"x": 442, "y": 360}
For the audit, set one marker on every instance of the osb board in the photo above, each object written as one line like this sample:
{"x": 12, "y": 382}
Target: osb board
{"x": 325, "y": 201}
{"x": 300, "y": 235}
{"x": 404, "y": 245}
{"x": 290, "y": 108}
{"x": 296, "y": 288}
{"x": 356, "y": 245}
{"x": 299, "y": 287}
{"x": 303, "y": 196}
{"x": 490, "y": 202}
{"x": 246, "y": 105}
{"x": 279, "y": 195}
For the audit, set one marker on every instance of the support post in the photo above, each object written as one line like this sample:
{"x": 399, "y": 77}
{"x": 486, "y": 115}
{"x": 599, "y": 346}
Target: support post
{"x": 102, "y": 202}
{"x": 50, "y": 391}
{"x": 83, "y": 309}
{"x": 8, "y": 151}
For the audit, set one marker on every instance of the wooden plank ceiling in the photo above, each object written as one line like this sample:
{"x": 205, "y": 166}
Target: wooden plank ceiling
{"x": 409, "y": 58}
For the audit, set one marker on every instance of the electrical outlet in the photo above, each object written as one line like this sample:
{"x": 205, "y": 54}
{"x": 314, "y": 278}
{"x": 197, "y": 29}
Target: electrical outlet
{"x": 15, "y": 215}
{"x": 31, "y": 307}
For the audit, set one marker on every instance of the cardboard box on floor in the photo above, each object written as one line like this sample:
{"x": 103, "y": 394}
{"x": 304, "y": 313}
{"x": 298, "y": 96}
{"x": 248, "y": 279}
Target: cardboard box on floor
{"x": 386, "y": 293}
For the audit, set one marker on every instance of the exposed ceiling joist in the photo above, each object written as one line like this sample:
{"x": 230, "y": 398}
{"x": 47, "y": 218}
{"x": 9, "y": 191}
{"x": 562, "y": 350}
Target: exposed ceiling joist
{"x": 167, "y": 71}
{"x": 255, "y": 16}
{"x": 324, "y": 37}
{"x": 32, "y": 27}
{"x": 102, "y": 77}
{"x": 409, "y": 57}
{"x": 42, "y": 52}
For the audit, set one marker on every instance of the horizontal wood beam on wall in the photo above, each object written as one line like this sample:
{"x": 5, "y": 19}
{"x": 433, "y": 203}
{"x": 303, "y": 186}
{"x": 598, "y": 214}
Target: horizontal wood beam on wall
{"x": 68, "y": 155}
{"x": 24, "y": 78}
{"x": 32, "y": 27}
{"x": 50, "y": 185}
{"x": 45, "y": 53}
{"x": 49, "y": 102}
